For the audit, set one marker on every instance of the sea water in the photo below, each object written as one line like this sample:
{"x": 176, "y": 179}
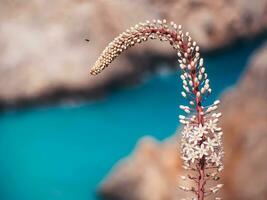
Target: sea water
{"x": 63, "y": 152}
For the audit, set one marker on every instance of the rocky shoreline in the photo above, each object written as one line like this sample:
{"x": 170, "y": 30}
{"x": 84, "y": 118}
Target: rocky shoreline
{"x": 152, "y": 171}
{"x": 44, "y": 59}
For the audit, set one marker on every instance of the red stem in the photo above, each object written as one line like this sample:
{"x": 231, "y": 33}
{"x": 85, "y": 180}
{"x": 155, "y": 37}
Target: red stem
{"x": 201, "y": 163}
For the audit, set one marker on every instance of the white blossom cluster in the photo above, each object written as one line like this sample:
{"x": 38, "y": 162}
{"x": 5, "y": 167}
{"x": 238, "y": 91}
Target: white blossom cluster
{"x": 200, "y": 141}
{"x": 201, "y": 146}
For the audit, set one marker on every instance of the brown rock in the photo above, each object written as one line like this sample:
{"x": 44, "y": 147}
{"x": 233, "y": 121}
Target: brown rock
{"x": 245, "y": 127}
{"x": 147, "y": 174}
{"x": 152, "y": 171}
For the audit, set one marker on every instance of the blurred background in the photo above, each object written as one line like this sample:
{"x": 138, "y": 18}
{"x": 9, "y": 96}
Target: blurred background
{"x": 62, "y": 131}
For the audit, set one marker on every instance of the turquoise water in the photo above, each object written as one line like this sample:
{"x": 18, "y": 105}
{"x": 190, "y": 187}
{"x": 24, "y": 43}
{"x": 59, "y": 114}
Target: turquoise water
{"x": 63, "y": 152}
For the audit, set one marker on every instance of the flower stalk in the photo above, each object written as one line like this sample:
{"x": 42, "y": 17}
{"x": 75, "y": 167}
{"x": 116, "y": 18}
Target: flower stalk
{"x": 201, "y": 146}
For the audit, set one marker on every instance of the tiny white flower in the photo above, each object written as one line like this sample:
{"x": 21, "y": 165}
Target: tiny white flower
{"x": 201, "y": 62}
{"x": 218, "y": 137}
{"x": 212, "y": 125}
{"x": 211, "y": 143}
{"x": 194, "y": 138}
{"x": 193, "y": 157}
{"x": 202, "y": 150}
{"x": 214, "y": 190}
{"x": 190, "y": 156}
{"x": 216, "y": 159}
{"x": 182, "y": 187}
{"x": 185, "y": 158}
{"x": 183, "y": 121}
{"x": 187, "y": 130}
{"x": 216, "y": 102}
{"x": 181, "y": 117}
{"x": 188, "y": 148}
{"x": 201, "y": 130}
{"x": 220, "y": 168}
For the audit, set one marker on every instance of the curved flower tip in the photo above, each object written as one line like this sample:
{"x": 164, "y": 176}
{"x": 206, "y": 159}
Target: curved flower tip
{"x": 96, "y": 69}
{"x": 155, "y": 29}
{"x": 92, "y": 72}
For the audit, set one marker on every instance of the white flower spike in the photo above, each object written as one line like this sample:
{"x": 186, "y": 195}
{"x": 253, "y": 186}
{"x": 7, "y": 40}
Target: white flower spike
{"x": 201, "y": 145}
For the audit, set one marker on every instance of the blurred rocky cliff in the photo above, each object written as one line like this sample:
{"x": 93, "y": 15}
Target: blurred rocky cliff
{"x": 43, "y": 55}
{"x": 152, "y": 171}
